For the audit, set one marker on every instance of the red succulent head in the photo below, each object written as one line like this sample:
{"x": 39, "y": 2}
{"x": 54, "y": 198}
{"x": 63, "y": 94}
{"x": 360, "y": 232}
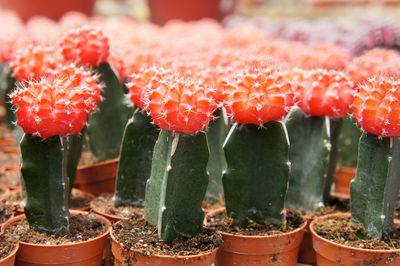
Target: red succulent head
{"x": 377, "y": 106}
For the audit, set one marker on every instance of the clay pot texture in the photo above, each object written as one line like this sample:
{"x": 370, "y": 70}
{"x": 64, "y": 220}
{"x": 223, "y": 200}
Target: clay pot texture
{"x": 111, "y": 218}
{"x": 330, "y": 253}
{"x": 122, "y": 257}
{"x": 77, "y": 254}
{"x": 97, "y": 178}
{"x": 307, "y": 253}
{"x": 161, "y": 11}
{"x": 48, "y": 8}
{"x": 342, "y": 181}
{"x": 10, "y": 259}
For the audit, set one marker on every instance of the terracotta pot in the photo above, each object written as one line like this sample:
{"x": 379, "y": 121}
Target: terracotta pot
{"x": 76, "y": 254}
{"x": 48, "y": 8}
{"x": 10, "y": 259}
{"x": 307, "y": 254}
{"x": 342, "y": 181}
{"x": 111, "y": 218}
{"x": 97, "y": 178}
{"x": 12, "y": 170}
{"x": 330, "y": 253}
{"x": 5, "y": 191}
{"x": 282, "y": 249}
{"x": 131, "y": 257}
{"x": 162, "y": 11}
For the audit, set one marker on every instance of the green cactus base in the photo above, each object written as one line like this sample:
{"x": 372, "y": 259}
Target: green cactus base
{"x": 348, "y": 143}
{"x": 178, "y": 183}
{"x": 255, "y": 182}
{"x": 8, "y": 84}
{"x": 135, "y": 160}
{"x": 375, "y": 188}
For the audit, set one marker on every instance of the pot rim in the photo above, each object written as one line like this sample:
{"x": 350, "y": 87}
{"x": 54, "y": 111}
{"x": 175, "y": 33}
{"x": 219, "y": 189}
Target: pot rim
{"x": 206, "y": 253}
{"x": 111, "y": 161}
{"x": 15, "y": 250}
{"x": 73, "y": 212}
{"x": 314, "y": 234}
{"x": 103, "y": 213}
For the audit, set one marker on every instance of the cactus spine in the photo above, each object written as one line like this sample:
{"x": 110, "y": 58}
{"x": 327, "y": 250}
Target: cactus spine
{"x": 374, "y": 190}
{"x": 255, "y": 182}
{"x": 106, "y": 126}
{"x": 179, "y": 164}
{"x": 135, "y": 160}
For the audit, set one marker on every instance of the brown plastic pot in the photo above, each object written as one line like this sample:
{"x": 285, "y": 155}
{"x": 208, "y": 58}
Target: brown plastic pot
{"x": 342, "y": 181}
{"x": 330, "y": 253}
{"x": 131, "y": 257}
{"x": 307, "y": 254}
{"x": 162, "y": 11}
{"x": 10, "y": 259}
{"x": 48, "y": 8}
{"x": 282, "y": 249}
{"x": 76, "y": 254}
{"x": 97, "y": 178}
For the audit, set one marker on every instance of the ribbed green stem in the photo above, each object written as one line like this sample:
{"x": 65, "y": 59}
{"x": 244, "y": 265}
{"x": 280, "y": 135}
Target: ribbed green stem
{"x": 348, "y": 143}
{"x": 73, "y": 145}
{"x": 106, "y": 126}
{"x": 376, "y": 186}
{"x": 7, "y": 86}
{"x": 44, "y": 172}
{"x": 135, "y": 160}
{"x": 255, "y": 182}
{"x": 178, "y": 183}
{"x": 216, "y": 134}
{"x": 309, "y": 154}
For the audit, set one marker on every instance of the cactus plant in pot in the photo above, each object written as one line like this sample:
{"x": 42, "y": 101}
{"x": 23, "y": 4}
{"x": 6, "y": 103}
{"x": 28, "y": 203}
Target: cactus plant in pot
{"x": 371, "y": 234}
{"x": 177, "y": 184}
{"x": 51, "y": 111}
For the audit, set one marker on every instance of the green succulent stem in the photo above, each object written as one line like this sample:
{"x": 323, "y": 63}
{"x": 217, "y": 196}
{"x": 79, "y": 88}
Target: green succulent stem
{"x": 256, "y": 179}
{"x": 375, "y": 188}
{"x": 177, "y": 185}
{"x": 348, "y": 143}
{"x": 44, "y": 171}
{"x": 309, "y": 155}
{"x": 73, "y": 145}
{"x": 106, "y": 126}
{"x": 8, "y": 84}
{"x": 134, "y": 167}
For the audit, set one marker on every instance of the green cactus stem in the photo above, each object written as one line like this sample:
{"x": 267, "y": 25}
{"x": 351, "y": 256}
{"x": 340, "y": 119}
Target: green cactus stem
{"x": 179, "y": 165}
{"x": 7, "y": 86}
{"x": 135, "y": 160}
{"x": 375, "y": 188}
{"x": 73, "y": 145}
{"x": 348, "y": 144}
{"x": 255, "y": 182}
{"x": 106, "y": 126}
{"x": 216, "y": 135}
{"x": 44, "y": 173}
{"x": 335, "y": 127}
{"x": 309, "y": 155}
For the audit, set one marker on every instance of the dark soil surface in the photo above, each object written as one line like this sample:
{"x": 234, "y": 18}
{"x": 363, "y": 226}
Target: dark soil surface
{"x": 221, "y": 222}
{"x": 341, "y": 231}
{"x": 335, "y": 205}
{"x": 7, "y": 245}
{"x": 79, "y": 200}
{"x": 211, "y": 205}
{"x": 105, "y": 204}
{"x": 5, "y": 212}
{"x": 15, "y": 200}
{"x": 142, "y": 236}
{"x": 82, "y": 228}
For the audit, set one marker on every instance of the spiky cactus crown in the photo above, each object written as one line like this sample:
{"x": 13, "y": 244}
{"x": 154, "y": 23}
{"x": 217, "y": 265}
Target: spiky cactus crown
{"x": 86, "y": 45}
{"x": 258, "y": 96}
{"x": 323, "y": 93}
{"x": 377, "y": 107}
{"x": 58, "y": 104}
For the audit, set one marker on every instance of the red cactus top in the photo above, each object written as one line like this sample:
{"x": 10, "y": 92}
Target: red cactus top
{"x": 377, "y": 106}
{"x": 58, "y": 104}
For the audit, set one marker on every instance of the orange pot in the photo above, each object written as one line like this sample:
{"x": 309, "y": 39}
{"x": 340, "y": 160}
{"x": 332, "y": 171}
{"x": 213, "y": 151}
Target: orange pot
{"x": 342, "y": 181}
{"x": 10, "y": 259}
{"x": 13, "y": 171}
{"x": 122, "y": 257}
{"x": 330, "y": 253}
{"x": 5, "y": 191}
{"x": 282, "y": 249}
{"x": 162, "y": 11}
{"x": 307, "y": 254}
{"x": 76, "y": 254}
{"x": 97, "y": 178}
{"x": 48, "y": 8}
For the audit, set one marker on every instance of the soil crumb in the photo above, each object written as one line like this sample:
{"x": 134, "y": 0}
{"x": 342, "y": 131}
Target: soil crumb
{"x": 105, "y": 204}
{"x": 221, "y": 222}
{"x": 142, "y": 236}
{"x": 82, "y": 228}
{"x": 7, "y": 245}
{"x": 6, "y": 212}
{"x": 341, "y": 231}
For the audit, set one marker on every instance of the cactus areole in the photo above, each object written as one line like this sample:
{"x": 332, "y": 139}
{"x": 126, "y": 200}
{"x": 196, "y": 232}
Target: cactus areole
{"x": 374, "y": 191}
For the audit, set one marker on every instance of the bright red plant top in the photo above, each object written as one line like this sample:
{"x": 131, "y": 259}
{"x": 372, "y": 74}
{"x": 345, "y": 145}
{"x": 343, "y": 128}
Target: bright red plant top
{"x": 58, "y": 104}
{"x": 86, "y": 45}
{"x": 258, "y": 96}
{"x": 180, "y": 104}
{"x": 324, "y": 93}
{"x": 377, "y": 106}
